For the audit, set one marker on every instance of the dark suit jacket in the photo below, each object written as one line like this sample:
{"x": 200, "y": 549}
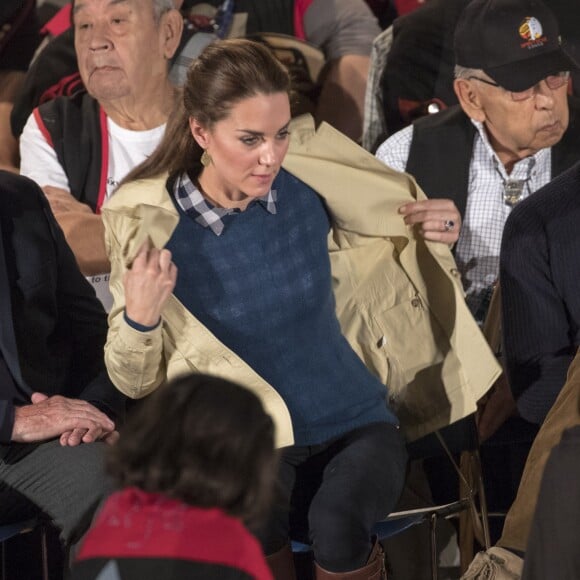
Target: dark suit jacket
{"x": 540, "y": 286}
{"x": 52, "y": 327}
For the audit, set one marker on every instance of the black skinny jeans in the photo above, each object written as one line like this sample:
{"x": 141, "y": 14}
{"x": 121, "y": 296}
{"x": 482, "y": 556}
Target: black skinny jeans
{"x": 337, "y": 491}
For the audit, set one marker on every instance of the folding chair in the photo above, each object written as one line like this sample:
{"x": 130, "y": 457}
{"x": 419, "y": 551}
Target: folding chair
{"x": 305, "y": 63}
{"x": 8, "y": 531}
{"x": 459, "y": 440}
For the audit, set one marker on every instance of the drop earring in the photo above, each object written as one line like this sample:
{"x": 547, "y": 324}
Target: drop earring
{"x": 205, "y": 158}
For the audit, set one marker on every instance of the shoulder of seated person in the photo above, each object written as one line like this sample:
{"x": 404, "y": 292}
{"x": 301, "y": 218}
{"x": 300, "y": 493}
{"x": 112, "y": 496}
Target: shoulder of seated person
{"x": 18, "y": 192}
{"x": 152, "y": 191}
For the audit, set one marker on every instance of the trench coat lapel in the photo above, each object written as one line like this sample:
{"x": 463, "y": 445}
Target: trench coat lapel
{"x": 348, "y": 171}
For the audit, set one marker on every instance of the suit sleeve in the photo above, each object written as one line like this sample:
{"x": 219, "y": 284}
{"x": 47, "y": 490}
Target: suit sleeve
{"x": 535, "y": 322}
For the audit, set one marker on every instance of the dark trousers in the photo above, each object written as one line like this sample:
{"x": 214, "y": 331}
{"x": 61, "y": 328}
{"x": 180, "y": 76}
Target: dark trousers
{"x": 337, "y": 491}
{"x": 66, "y": 483}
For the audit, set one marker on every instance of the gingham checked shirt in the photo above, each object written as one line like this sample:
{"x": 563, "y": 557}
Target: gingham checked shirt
{"x": 477, "y": 250}
{"x": 192, "y": 202}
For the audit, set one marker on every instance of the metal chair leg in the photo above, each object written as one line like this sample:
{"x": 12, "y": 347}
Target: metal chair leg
{"x": 482, "y": 503}
{"x": 44, "y": 550}
{"x": 11, "y": 531}
{"x": 433, "y": 534}
{"x": 3, "y": 565}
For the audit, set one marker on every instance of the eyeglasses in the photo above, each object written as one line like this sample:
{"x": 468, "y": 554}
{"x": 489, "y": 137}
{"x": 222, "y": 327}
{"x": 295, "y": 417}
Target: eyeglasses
{"x": 553, "y": 81}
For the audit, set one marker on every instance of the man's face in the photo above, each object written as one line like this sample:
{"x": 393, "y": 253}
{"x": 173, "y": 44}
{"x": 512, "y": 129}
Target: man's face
{"x": 120, "y": 47}
{"x": 518, "y": 129}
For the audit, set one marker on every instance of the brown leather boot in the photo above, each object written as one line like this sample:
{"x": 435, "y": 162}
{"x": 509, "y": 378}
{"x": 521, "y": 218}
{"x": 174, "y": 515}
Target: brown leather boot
{"x": 374, "y": 569}
{"x": 281, "y": 564}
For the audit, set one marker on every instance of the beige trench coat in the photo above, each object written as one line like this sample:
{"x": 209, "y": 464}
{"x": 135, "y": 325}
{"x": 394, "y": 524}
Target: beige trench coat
{"x": 398, "y": 298}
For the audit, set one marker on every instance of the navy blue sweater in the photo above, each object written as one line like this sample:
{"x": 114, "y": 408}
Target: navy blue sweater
{"x": 264, "y": 289}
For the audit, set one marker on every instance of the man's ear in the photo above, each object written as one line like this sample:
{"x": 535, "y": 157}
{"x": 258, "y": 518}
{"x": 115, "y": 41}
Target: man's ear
{"x": 171, "y": 30}
{"x": 199, "y": 132}
{"x": 469, "y": 99}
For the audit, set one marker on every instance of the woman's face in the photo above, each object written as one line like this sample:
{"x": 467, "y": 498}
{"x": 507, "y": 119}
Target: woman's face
{"x": 247, "y": 149}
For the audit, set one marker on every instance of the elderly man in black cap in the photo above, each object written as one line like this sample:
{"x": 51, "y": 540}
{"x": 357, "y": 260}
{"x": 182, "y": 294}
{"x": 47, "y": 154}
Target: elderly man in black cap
{"x": 515, "y": 128}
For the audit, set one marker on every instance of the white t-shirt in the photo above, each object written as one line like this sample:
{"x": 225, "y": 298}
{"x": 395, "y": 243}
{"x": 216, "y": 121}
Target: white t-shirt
{"x": 127, "y": 149}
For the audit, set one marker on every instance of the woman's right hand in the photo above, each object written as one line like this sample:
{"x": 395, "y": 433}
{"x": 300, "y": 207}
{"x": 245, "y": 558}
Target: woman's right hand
{"x": 148, "y": 284}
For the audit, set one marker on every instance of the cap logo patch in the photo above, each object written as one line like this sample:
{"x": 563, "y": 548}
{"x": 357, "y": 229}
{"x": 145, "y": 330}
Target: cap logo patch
{"x": 531, "y": 32}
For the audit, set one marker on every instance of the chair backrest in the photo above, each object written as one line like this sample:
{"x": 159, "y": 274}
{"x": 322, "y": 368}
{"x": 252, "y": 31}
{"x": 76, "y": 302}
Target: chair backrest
{"x": 11, "y": 530}
{"x": 374, "y": 125}
{"x": 303, "y": 60}
{"x": 8, "y": 531}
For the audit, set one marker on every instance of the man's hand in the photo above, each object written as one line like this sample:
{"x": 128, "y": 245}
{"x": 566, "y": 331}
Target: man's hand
{"x": 56, "y": 416}
{"x": 495, "y": 408}
{"x": 61, "y": 201}
{"x": 84, "y": 231}
{"x": 77, "y": 436}
{"x": 438, "y": 220}
{"x": 148, "y": 285}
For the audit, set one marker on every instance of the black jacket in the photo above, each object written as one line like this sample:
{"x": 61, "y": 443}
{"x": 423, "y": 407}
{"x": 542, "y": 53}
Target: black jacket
{"x": 52, "y": 327}
{"x": 540, "y": 260}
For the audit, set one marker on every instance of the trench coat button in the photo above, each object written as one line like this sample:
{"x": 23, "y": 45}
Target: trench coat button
{"x": 454, "y": 272}
{"x": 148, "y": 342}
{"x": 381, "y": 342}
{"x": 416, "y": 302}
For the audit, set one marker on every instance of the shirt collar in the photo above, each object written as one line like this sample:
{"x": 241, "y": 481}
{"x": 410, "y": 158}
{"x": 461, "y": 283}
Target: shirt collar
{"x": 528, "y": 162}
{"x": 193, "y": 203}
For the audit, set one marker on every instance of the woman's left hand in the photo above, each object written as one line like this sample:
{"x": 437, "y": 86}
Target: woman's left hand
{"x": 437, "y": 220}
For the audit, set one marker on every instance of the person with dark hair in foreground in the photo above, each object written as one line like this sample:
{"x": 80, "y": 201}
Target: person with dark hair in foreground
{"x": 195, "y": 466}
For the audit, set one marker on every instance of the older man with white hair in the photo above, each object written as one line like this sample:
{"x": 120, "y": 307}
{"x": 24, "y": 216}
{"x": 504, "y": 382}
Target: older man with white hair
{"x": 79, "y": 148}
{"x": 512, "y": 132}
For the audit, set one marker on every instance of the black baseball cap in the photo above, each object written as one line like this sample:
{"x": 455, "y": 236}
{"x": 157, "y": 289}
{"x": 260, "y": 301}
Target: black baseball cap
{"x": 515, "y": 42}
